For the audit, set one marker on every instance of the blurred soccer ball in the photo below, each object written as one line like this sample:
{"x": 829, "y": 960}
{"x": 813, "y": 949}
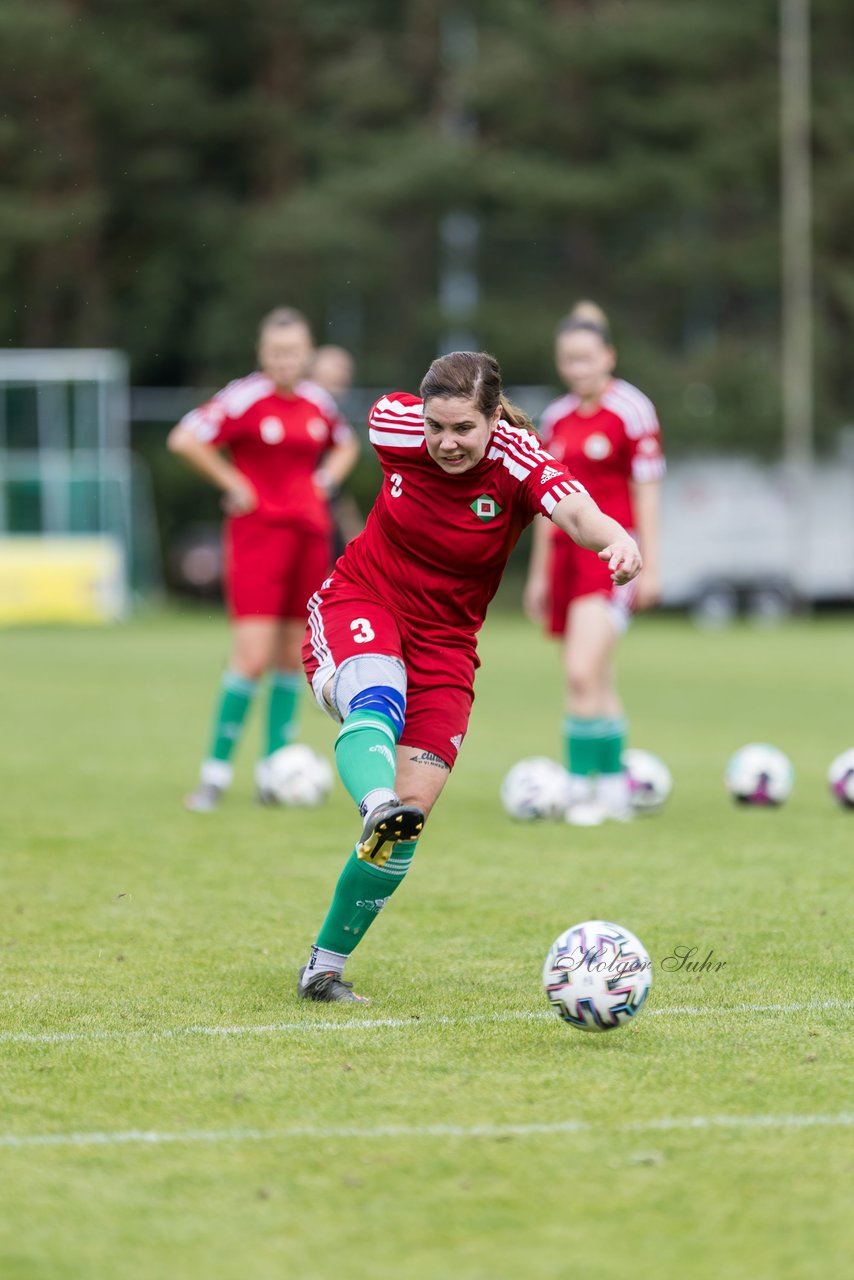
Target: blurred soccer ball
{"x": 597, "y": 975}
{"x": 535, "y": 789}
{"x": 840, "y": 776}
{"x": 295, "y": 775}
{"x": 759, "y": 774}
{"x": 650, "y": 781}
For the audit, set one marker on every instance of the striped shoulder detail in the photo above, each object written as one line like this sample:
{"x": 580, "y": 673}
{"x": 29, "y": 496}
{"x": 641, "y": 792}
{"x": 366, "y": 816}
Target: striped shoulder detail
{"x": 517, "y": 456}
{"x": 397, "y": 422}
{"x": 242, "y": 393}
{"x": 520, "y": 453}
{"x": 552, "y": 414}
{"x": 231, "y": 402}
{"x": 634, "y": 408}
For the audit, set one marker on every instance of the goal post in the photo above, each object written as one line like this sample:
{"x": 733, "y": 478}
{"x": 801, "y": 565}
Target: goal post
{"x": 77, "y": 534}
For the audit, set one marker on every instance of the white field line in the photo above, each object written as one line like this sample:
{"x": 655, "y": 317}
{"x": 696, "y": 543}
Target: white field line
{"x": 667, "y": 1124}
{"x": 373, "y": 1024}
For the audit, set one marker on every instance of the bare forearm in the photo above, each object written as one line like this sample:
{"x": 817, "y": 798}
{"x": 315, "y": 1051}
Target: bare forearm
{"x": 586, "y": 524}
{"x": 338, "y": 463}
{"x": 208, "y": 461}
{"x": 580, "y": 517}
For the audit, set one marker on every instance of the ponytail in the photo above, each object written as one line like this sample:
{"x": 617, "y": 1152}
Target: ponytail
{"x": 513, "y": 414}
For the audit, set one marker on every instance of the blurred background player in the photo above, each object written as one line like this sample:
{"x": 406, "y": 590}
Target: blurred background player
{"x": 607, "y": 433}
{"x": 288, "y": 447}
{"x": 391, "y": 649}
{"x": 333, "y": 369}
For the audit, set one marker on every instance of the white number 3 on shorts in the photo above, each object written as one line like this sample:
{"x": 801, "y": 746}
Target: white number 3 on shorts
{"x": 362, "y": 630}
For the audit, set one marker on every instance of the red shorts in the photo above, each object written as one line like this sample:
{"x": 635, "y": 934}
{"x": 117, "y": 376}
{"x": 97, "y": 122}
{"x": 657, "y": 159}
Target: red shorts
{"x": 577, "y": 572}
{"x": 440, "y": 669}
{"x": 272, "y": 570}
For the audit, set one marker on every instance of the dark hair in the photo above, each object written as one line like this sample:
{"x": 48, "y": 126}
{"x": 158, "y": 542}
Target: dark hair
{"x": 283, "y": 318}
{"x": 474, "y": 375}
{"x": 587, "y": 317}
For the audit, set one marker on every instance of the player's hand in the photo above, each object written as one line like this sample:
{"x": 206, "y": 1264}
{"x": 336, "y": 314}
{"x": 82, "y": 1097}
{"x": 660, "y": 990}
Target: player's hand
{"x": 624, "y": 560}
{"x": 239, "y": 498}
{"x": 535, "y": 598}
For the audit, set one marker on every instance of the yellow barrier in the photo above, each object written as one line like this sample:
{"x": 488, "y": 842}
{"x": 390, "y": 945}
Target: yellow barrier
{"x": 61, "y": 580}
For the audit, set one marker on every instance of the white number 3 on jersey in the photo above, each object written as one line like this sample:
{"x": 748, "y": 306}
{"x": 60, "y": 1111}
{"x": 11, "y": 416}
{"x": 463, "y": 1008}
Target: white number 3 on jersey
{"x": 396, "y": 482}
{"x": 362, "y": 630}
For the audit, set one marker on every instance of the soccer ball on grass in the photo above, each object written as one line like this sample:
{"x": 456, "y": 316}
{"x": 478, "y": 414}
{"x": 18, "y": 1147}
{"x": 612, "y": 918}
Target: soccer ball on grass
{"x": 759, "y": 774}
{"x": 840, "y": 777}
{"x": 295, "y": 775}
{"x": 650, "y": 780}
{"x": 597, "y": 975}
{"x": 536, "y": 788}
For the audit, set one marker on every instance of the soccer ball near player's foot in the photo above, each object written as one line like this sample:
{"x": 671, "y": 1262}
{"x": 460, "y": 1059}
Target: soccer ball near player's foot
{"x": 597, "y": 976}
{"x": 295, "y": 775}
{"x": 535, "y": 789}
{"x": 650, "y": 782}
{"x": 759, "y": 774}
{"x": 840, "y": 776}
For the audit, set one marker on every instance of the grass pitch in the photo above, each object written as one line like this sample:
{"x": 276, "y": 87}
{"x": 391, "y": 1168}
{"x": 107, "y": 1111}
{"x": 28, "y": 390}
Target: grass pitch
{"x": 169, "y": 1108}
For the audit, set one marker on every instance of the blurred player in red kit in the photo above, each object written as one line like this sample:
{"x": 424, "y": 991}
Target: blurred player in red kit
{"x": 607, "y": 433}
{"x": 287, "y": 447}
{"x": 333, "y": 369}
{"x": 391, "y": 648}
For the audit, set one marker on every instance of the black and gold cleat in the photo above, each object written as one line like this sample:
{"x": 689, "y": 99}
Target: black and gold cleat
{"x": 385, "y": 826}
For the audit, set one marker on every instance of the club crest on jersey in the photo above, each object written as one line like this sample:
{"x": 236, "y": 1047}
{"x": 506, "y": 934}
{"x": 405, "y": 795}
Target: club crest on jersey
{"x": 549, "y": 473}
{"x": 316, "y": 428}
{"x": 485, "y": 508}
{"x": 597, "y": 447}
{"x": 272, "y": 430}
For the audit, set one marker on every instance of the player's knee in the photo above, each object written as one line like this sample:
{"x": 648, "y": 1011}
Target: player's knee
{"x": 371, "y": 682}
{"x": 582, "y": 680}
{"x": 250, "y": 666}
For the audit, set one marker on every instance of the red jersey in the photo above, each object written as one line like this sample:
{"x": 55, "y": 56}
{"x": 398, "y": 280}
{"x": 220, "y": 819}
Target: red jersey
{"x": 441, "y": 542}
{"x": 276, "y": 441}
{"x": 620, "y": 441}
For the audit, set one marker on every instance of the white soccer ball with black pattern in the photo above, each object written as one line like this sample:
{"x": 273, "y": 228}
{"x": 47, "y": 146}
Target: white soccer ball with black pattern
{"x": 536, "y": 789}
{"x": 295, "y": 775}
{"x": 759, "y": 774}
{"x": 650, "y": 780}
{"x": 840, "y": 777}
{"x": 597, "y": 976}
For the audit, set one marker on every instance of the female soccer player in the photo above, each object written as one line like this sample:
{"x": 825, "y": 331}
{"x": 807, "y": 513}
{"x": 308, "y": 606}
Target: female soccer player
{"x": 288, "y": 446}
{"x": 607, "y": 433}
{"x": 391, "y": 646}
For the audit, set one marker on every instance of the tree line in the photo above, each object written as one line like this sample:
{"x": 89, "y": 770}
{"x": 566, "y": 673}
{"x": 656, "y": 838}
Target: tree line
{"x": 174, "y": 169}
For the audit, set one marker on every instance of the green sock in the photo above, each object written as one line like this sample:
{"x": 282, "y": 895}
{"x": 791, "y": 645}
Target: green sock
{"x": 234, "y": 701}
{"x": 285, "y": 689}
{"x": 611, "y": 742}
{"x": 364, "y": 754}
{"x": 360, "y": 895}
{"x": 581, "y": 744}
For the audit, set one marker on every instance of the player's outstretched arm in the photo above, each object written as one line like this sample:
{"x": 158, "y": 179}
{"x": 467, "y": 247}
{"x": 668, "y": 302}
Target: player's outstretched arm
{"x": 579, "y": 516}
